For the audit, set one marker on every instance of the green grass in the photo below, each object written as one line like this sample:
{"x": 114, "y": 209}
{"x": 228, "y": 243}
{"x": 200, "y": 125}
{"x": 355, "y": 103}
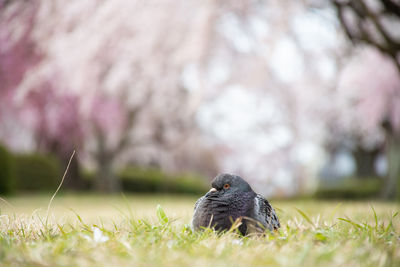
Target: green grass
{"x": 93, "y": 230}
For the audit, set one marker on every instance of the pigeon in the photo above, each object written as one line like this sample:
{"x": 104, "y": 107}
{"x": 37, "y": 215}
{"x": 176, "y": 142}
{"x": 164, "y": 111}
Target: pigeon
{"x": 231, "y": 198}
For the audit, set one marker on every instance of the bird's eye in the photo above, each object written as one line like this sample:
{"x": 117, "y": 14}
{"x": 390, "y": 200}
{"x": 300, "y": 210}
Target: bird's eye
{"x": 226, "y": 186}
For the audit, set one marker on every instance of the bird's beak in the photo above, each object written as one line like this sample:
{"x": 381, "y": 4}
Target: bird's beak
{"x": 212, "y": 190}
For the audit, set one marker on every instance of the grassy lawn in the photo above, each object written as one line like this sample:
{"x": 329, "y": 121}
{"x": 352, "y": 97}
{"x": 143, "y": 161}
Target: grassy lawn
{"x": 93, "y": 230}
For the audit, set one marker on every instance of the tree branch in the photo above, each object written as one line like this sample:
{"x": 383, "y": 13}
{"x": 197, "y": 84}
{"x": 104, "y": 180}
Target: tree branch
{"x": 390, "y": 46}
{"x": 391, "y": 7}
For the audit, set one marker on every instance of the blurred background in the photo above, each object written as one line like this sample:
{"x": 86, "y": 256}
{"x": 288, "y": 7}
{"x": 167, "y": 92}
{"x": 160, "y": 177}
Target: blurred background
{"x": 301, "y": 98}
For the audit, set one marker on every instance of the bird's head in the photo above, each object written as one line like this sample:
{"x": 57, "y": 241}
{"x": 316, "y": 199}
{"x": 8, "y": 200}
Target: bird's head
{"x": 229, "y": 183}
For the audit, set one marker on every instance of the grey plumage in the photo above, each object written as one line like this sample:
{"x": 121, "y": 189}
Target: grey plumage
{"x": 231, "y": 198}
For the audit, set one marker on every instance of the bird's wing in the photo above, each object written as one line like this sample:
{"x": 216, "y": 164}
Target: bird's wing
{"x": 198, "y": 202}
{"x": 210, "y": 213}
{"x": 265, "y": 214}
{"x": 196, "y": 217}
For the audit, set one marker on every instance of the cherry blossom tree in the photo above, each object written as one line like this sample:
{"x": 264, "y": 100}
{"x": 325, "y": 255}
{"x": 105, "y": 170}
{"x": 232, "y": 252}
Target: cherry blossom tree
{"x": 51, "y": 116}
{"x": 375, "y": 24}
{"x": 109, "y": 78}
{"x": 373, "y": 94}
{"x": 177, "y": 84}
{"x": 273, "y": 83}
{"x": 18, "y": 53}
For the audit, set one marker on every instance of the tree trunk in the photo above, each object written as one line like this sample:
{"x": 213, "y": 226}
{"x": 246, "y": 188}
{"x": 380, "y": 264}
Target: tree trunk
{"x": 365, "y": 162}
{"x": 106, "y": 180}
{"x": 392, "y": 185}
{"x": 73, "y": 179}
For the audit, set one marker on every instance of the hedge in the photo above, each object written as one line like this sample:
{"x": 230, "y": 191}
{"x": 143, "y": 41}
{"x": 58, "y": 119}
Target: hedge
{"x": 7, "y": 171}
{"x": 37, "y": 172}
{"x": 137, "y": 179}
{"x": 351, "y": 188}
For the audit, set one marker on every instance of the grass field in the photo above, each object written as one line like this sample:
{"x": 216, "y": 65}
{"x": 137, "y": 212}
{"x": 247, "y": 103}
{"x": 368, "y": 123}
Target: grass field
{"x": 93, "y": 230}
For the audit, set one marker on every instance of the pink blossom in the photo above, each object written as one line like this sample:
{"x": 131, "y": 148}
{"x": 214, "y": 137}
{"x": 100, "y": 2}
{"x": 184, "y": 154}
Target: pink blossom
{"x": 371, "y": 84}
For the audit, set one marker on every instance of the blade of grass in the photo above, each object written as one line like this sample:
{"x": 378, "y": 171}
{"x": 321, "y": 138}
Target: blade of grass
{"x": 390, "y": 225}
{"x": 376, "y": 217}
{"x": 305, "y": 217}
{"x": 336, "y": 209}
{"x": 85, "y": 226}
{"x": 162, "y": 217}
{"x": 59, "y": 186}
{"x": 235, "y": 225}
{"x": 8, "y": 203}
{"x": 351, "y": 222}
